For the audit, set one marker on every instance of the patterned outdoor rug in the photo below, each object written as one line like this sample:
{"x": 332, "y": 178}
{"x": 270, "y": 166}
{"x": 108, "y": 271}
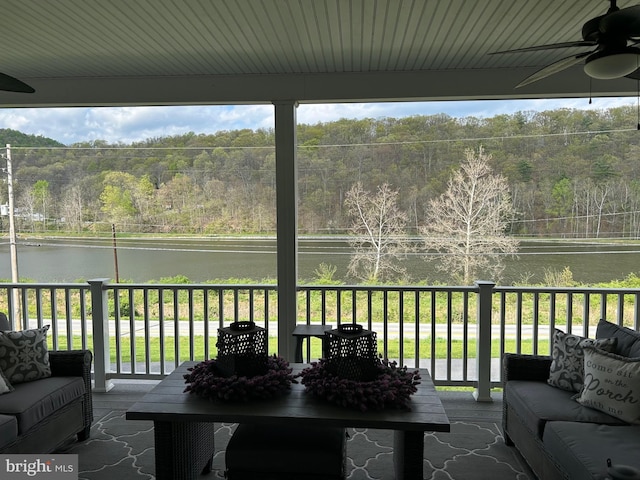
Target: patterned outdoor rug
{"x": 123, "y": 449}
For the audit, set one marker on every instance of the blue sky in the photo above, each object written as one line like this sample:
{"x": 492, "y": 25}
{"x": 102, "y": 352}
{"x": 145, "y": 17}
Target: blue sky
{"x": 129, "y": 124}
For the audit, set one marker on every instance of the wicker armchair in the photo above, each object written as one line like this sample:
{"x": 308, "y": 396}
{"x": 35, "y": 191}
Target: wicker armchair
{"x": 40, "y": 415}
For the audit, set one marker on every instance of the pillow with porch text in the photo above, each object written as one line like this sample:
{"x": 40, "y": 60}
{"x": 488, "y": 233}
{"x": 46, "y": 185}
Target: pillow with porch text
{"x": 611, "y": 384}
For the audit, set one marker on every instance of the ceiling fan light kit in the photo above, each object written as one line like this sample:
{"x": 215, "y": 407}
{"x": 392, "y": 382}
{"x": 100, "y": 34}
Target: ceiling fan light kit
{"x": 606, "y": 66}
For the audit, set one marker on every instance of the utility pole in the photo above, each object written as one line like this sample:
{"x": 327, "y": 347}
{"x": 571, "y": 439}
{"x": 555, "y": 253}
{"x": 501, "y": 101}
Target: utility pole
{"x": 115, "y": 251}
{"x": 12, "y": 243}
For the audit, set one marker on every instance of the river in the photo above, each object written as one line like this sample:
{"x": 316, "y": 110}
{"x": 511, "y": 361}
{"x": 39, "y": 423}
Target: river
{"x": 142, "y": 260}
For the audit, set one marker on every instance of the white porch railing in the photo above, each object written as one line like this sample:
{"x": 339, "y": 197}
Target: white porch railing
{"x": 459, "y": 333}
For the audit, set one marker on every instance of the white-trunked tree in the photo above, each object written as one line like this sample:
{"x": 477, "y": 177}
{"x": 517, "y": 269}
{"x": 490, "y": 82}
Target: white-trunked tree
{"x": 468, "y": 223}
{"x": 378, "y": 234}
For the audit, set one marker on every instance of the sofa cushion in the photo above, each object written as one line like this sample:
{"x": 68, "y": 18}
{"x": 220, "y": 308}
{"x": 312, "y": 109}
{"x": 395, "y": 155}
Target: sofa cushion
{"x": 32, "y": 402}
{"x": 537, "y": 403}
{"x": 628, "y": 340}
{"x": 567, "y": 359}
{"x": 24, "y": 356}
{"x": 582, "y": 449}
{"x": 8, "y": 430}
{"x": 611, "y": 384}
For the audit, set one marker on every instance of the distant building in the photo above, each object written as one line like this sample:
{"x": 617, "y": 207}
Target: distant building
{"x": 20, "y": 213}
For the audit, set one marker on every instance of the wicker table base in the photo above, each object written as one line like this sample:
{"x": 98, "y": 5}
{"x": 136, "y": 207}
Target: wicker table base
{"x": 184, "y": 450}
{"x": 408, "y": 450}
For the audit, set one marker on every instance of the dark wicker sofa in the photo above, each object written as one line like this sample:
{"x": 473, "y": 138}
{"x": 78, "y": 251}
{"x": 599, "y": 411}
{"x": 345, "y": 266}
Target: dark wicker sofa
{"x": 558, "y": 437}
{"x": 39, "y": 416}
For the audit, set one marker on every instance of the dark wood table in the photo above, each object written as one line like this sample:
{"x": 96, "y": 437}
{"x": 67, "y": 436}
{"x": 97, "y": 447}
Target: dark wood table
{"x": 183, "y": 423}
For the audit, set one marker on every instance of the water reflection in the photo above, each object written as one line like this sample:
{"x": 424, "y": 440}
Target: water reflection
{"x": 68, "y": 260}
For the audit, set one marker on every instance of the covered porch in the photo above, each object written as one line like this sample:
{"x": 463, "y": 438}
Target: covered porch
{"x": 289, "y": 53}
{"x": 285, "y": 53}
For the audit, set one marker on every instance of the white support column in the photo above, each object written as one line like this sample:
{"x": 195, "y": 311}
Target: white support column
{"x": 483, "y": 341}
{"x": 287, "y": 229}
{"x": 100, "y": 324}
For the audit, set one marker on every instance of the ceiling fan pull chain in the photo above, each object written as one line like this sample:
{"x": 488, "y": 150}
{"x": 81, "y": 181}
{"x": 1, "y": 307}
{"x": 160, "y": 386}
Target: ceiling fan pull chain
{"x": 638, "y": 107}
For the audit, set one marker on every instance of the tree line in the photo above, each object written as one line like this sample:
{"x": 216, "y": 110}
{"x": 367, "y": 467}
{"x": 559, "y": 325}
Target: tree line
{"x": 570, "y": 173}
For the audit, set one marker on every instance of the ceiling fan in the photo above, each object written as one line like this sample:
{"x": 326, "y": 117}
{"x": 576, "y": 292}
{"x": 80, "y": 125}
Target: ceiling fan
{"x": 11, "y": 84}
{"x": 614, "y": 36}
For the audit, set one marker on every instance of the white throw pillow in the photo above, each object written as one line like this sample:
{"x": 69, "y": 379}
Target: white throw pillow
{"x": 611, "y": 384}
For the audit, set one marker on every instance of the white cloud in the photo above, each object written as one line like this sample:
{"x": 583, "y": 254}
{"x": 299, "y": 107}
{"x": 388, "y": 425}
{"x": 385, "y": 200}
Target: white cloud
{"x": 480, "y": 108}
{"x": 131, "y": 124}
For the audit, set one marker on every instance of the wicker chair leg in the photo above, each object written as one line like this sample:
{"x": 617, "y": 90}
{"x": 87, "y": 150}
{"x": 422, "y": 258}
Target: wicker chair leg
{"x": 507, "y": 440}
{"x": 208, "y": 467}
{"x": 84, "y": 434}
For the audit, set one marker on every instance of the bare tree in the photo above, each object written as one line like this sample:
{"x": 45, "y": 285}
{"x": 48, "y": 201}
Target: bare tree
{"x": 378, "y": 232}
{"x": 43, "y": 197}
{"x": 72, "y": 208}
{"x": 467, "y": 223}
{"x": 27, "y": 208}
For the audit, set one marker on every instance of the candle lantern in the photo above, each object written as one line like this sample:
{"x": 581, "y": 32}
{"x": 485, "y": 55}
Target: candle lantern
{"x": 352, "y": 352}
{"x": 242, "y": 350}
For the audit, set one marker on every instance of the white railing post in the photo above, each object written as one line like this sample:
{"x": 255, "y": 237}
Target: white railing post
{"x": 100, "y": 326}
{"x": 483, "y": 341}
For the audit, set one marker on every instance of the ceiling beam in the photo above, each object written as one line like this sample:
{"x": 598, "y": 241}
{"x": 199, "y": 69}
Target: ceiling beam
{"x": 311, "y": 88}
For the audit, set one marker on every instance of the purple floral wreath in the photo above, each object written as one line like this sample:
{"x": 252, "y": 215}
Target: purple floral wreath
{"x": 393, "y": 386}
{"x": 205, "y": 381}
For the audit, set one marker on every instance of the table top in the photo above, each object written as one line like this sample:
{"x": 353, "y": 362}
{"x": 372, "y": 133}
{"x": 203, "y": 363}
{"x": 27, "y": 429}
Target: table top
{"x": 168, "y": 402}
{"x": 311, "y": 330}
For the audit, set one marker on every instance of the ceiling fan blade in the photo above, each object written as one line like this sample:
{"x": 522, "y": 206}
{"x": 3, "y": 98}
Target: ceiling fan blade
{"x": 625, "y": 22}
{"x": 10, "y": 84}
{"x": 634, "y": 75}
{"x": 580, "y": 43}
{"x": 554, "y": 68}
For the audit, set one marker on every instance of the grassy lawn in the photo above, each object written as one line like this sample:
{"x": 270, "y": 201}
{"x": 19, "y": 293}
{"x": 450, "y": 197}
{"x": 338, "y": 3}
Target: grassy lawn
{"x": 441, "y": 352}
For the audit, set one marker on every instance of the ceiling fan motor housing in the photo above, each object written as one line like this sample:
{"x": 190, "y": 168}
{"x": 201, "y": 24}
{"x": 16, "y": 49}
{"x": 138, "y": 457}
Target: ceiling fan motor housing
{"x": 591, "y": 30}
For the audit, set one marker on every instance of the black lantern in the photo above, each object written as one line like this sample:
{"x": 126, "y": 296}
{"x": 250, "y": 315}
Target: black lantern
{"x": 353, "y": 352}
{"x": 242, "y": 350}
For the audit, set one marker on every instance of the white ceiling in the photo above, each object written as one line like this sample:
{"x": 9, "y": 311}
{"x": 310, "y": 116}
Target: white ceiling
{"x": 161, "y": 52}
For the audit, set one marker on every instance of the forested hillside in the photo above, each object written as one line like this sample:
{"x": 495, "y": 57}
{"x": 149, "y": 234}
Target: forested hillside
{"x": 15, "y": 138}
{"x": 571, "y": 173}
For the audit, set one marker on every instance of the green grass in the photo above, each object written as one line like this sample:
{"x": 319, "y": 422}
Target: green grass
{"x": 456, "y": 350}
